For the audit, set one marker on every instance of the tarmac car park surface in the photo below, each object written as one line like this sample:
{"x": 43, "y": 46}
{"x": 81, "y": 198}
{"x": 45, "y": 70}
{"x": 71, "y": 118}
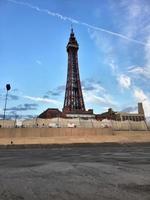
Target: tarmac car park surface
{"x": 91, "y": 172}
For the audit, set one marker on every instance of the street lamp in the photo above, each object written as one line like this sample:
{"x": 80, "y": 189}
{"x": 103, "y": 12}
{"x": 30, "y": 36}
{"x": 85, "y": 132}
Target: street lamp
{"x": 7, "y": 88}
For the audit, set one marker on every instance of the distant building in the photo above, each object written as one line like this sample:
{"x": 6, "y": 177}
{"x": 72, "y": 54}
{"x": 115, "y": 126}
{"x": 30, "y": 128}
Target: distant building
{"x": 122, "y": 116}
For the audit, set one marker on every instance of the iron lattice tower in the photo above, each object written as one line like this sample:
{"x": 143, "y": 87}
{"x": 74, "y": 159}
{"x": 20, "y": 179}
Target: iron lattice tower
{"x": 73, "y": 101}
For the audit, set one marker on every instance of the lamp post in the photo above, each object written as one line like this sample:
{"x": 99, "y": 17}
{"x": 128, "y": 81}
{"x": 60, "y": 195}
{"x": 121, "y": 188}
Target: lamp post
{"x": 7, "y": 88}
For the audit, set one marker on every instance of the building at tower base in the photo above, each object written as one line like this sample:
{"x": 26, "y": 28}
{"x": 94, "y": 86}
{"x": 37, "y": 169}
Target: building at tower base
{"x": 55, "y": 112}
{"x": 51, "y": 113}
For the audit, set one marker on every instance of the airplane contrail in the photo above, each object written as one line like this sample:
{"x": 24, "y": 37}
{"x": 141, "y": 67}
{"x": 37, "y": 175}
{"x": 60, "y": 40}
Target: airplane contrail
{"x": 74, "y": 21}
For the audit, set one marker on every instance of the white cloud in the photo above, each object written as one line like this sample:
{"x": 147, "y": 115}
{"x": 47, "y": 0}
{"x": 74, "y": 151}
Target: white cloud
{"x": 140, "y": 96}
{"x": 101, "y": 41}
{"x": 140, "y": 71}
{"x": 95, "y": 87}
{"x": 114, "y": 67}
{"x": 97, "y": 95}
{"x": 45, "y": 100}
{"x": 105, "y": 99}
{"x": 124, "y": 81}
{"x": 38, "y": 62}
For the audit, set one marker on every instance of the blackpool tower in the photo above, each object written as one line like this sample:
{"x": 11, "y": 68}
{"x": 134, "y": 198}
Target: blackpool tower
{"x": 73, "y": 102}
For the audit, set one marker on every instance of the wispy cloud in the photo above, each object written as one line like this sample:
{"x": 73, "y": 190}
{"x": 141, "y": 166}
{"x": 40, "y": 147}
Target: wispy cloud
{"x": 124, "y": 81}
{"x": 55, "y": 92}
{"x": 139, "y": 72}
{"x": 92, "y": 85}
{"x": 10, "y": 97}
{"x": 65, "y": 18}
{"x": 94, "y": 93}
{"x": 130, "y": 109}
{"x": 38, "y": 62}
{"x": 12, "y": 115}
{"x": 45, "y": 100}
{"x": 24, "y": 107}
{"x": 13, "y": 97}
{"x": 103, "y": 100}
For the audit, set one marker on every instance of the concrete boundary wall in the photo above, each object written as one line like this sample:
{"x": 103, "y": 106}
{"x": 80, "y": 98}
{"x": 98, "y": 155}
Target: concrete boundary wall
{"x": 148, "y": 125}
{"x": 44, "y": 136}
{"x": 52, "y": 132}
{"x": 76, "y": 122}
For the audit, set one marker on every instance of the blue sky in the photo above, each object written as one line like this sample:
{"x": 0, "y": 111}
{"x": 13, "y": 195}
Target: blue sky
{"x": 114, "y": 53}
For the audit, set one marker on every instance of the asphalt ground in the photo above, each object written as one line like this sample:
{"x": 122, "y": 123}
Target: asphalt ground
{"x": 88, "y": 172}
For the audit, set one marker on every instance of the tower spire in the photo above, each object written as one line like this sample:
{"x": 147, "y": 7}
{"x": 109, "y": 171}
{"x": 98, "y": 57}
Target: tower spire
{"x": 73, "y": 102}
{"x": 71, "y": 28}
